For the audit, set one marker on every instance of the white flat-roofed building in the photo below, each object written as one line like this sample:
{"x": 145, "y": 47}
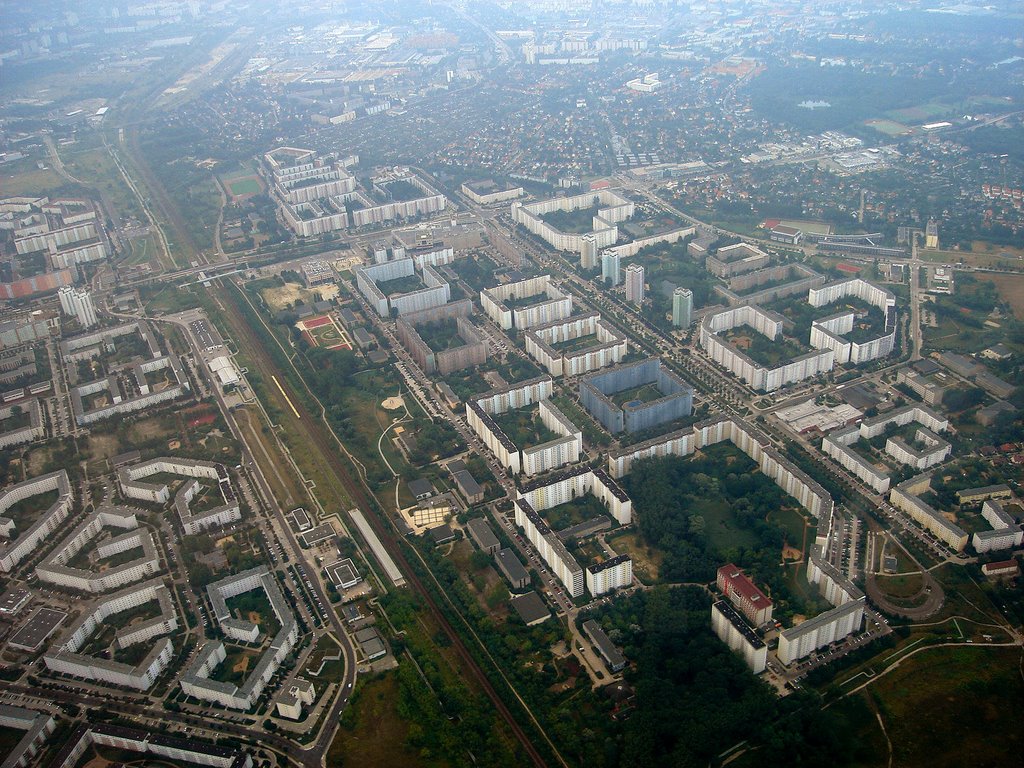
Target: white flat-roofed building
{"x": 768, "y": 324}
{"x": 611, "y": 210}
{"x": 67, "y": 657}
{"x": 1005, "y": 533}
{"x": 196, "y": 680}
{"x": 54, "y": 569}
{"x": 37, "y": 727}
{"x": 33, "y": 430}
{"x": 608, "y": 348}
{"x": 502, "y": 303}
{"x": 820, "y": 630}
{"x": 905, "y": 498}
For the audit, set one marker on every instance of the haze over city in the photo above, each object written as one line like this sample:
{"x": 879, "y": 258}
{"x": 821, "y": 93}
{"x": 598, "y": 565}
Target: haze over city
{"x": 556, "y": 383}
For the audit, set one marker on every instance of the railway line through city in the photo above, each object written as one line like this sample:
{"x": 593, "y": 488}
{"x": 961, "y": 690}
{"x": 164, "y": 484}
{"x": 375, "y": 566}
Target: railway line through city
{"x": 314, "y": 430}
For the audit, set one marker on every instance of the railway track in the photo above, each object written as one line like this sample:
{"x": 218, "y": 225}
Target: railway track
{"x": 313, "y": 428}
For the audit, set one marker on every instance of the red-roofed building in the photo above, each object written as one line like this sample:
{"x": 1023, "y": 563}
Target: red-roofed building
{"x": 1002, "y": 569}
{"x": 751, "y": 601}
{"x": 599, "y": 184}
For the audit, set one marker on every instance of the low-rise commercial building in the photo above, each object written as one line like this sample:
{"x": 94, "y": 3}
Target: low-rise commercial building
{"x": 604, "y": 646}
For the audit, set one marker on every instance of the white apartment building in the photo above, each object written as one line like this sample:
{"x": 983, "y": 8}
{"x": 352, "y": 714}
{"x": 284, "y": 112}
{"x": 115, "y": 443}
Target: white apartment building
{"x": 1005, "y": 533}
{"x": 821, "y": 630}
{"x": 565, "y": 449}
{"x": 608, "y": 348}
{"x": 768, "y": 324}
{"x": 196, "y": 681}
{"x": 131, "y": 480}
{"x": 734, "y": 631}
{"x": 610, "y": 574}
{"x": 905, "y": 498}
{"x": 14, "y": 551}
{"x": 54, "y": 569}
{"x": 554, "y": 305}
{"x": 77, "y": 303}
{"x": 68, "y": 660}
{"x": 635, "y": 284}
{"x": 612, "y": 209}
{"x": 550, "y": 547}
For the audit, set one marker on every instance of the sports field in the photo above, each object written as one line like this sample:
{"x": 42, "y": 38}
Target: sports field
{"x": 244, "y": 187}
{"x": 325, "y": 331}
{"x": 888, "y": 127}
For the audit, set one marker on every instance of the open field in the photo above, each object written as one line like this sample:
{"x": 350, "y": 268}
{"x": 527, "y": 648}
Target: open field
{"x": 888, "y": 127}
{"x": 372, "y": 732}
{"x": 1011, "y": 290}
{"x": 945, "y": 703}
{"x": 244, "y": 187}
{"x": 31, "y": 182}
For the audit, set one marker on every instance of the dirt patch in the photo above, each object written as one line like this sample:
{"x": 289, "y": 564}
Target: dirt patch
{"x": 392, "y": 404}
{"x": 285, "y": 296}
{"x": 241, "y": 666}
{"x": 791, "y": 553}
{"x": 103, "y": 446}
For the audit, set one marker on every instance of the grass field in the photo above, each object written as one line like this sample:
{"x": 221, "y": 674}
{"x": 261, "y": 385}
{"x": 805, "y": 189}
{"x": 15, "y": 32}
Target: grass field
{"x": 722, "y": 531}
{"x": 945, "y": 703}
{"x": 31, "y": 182}
{"x": 372, "y": 731}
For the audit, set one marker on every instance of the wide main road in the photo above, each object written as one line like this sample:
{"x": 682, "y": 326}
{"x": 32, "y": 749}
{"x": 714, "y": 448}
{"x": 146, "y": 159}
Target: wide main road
{"x": 313, "y": 430}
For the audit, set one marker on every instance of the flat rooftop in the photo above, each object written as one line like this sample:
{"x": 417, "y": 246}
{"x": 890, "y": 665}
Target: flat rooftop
{"x": 40, "y": 625}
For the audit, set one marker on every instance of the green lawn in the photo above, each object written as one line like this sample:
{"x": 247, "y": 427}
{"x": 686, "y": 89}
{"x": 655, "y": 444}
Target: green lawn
{"x": 721, "y": 529}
